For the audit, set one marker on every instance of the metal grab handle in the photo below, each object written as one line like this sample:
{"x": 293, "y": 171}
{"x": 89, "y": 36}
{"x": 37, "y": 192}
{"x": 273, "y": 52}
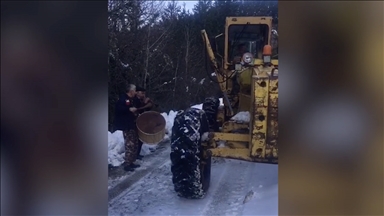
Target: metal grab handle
{"x": 227, "y": 100}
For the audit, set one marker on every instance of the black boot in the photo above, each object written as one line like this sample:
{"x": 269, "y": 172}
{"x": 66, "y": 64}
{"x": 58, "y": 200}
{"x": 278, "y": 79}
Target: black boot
{"x": 128, "y": 168}
{"x": 139, "y": 157}
{"x": 134, "y": 165}
{"x": 140, "y": 145}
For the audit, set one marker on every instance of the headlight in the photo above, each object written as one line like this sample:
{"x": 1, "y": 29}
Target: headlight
{"x": 248, "y": 58}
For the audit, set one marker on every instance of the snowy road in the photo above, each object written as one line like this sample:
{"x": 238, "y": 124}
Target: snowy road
{"x": 231, "y": 182}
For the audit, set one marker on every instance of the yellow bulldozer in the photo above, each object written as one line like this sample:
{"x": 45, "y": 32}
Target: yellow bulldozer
{"x": 245, "y": 128}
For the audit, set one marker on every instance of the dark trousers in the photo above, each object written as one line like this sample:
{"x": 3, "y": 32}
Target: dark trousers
{"x": 131, "y": 144}
{"x": 140, "y": 144}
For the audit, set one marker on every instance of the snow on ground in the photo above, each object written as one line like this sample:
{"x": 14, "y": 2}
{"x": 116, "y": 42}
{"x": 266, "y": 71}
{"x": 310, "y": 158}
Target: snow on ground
{"x": 256, "y": 184}
{"x": 243, "y": 116}
{"x": 202, "y": 81}
{"x": 169, "y": 123}
{"x": 200, "y": 106}
{"x": 115, "y": 148}
{"x": 118, "y": 175}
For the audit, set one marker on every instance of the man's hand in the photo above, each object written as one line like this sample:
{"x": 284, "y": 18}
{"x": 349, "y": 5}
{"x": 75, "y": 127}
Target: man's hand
{"x": 133, "y": 109}
{"x": 147, "y": 100}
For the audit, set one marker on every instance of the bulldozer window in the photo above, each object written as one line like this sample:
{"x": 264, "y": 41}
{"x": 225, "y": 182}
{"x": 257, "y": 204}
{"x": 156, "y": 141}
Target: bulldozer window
{"x": 246, "y": 38}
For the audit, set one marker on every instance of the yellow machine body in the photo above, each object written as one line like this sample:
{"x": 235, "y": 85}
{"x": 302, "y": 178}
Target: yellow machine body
{"x": 251, "y": 88}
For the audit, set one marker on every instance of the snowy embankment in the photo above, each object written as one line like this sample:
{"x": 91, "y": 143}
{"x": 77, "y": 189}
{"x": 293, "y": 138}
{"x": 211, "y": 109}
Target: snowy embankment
{"x": 116, "y": 141}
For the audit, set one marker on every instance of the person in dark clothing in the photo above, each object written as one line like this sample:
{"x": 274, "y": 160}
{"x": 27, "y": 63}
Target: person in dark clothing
{"x": 125, "y": 120}
{"x": 241, "y": 49}
{"x": 145, "y": 105}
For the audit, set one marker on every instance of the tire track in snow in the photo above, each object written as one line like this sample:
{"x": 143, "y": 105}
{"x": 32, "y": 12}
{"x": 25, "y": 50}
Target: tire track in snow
{"x": 146, "y": 197}
{"x": 161, "y": 157}
{"x": 214, "y": 185}
{"x": 228, "y": 200}
{"x": 154, "y": 194}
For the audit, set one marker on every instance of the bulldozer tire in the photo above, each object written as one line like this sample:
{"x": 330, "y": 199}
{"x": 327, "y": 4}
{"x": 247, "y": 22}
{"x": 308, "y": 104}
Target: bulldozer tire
{"x": 206, "y": 172}
{"x": 190, "y": 170}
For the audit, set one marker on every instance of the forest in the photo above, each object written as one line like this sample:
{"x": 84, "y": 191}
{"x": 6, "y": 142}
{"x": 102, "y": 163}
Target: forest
{"x": 157, "y": 45}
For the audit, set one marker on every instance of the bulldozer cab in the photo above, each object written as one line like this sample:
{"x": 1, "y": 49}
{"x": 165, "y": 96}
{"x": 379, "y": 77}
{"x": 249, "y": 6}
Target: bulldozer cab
{"x": 242, "y": 35}
{"x": 246, "y": 34}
